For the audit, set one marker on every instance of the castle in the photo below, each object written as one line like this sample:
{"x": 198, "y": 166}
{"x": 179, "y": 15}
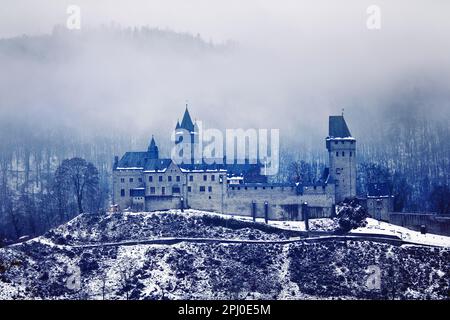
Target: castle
{"x": 144, "y": 181}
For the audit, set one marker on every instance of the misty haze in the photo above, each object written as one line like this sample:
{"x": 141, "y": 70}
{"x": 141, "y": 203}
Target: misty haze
{"x": 108, "y": 99}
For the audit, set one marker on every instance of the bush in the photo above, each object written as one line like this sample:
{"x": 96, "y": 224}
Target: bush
{"x": 351, "y": 215}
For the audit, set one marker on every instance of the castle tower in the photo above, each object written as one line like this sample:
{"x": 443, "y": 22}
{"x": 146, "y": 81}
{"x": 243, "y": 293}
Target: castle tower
{"x": 152, "y": 150}
{"x": 187, "y": 134}
{"x": 341, "y": 148}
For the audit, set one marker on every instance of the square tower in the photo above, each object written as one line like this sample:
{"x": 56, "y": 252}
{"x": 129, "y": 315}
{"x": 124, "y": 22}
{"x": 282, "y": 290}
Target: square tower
{"x": 341, "y": 148}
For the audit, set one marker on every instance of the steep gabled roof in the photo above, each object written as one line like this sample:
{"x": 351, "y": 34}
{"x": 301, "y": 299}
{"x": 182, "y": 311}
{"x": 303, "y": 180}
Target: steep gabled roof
{"x": 337, "y": 127}
{"x": 133, "y": 160}
{"x": 187, "y": 123}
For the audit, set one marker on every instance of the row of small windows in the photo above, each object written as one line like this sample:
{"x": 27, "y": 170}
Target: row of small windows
{"x": 256, "y": 188}
{"x": 130, "y": 180}
{"x": 163, "y": 190}
{"x": 343, "y": 153}
{"x": 170, "y": 178}
{"x": 342, "y": 142}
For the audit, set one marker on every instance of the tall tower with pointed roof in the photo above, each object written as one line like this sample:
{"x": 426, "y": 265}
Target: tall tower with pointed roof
{"x": 186, "y": 133}
{"x": 152, "y": 150}
{"x": 341, "y": 148}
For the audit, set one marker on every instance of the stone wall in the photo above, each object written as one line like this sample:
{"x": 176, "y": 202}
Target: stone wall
{"x": 205, "y": 191}
{"x": 208, "y": 191}
{"x": 283, "y": 202}
{"x": 380, "y": 207}
{"x": 434, "y": 223}
{"x": 125, "y": 180}
{"x": 161, "y": 203}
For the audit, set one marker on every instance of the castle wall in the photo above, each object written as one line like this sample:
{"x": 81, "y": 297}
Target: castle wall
{"x": 125, "y": 180}
{"x": 342, "y": 158}
{"x": 214, "y": 191}
{"x": 433, "y": 223}
{"x": 283, "y": 202}
{"x": 379, "y": 208}
{"x": 164, "y": 183}
{"x": 161, "y": 203}
{"x": 208, "y": 191}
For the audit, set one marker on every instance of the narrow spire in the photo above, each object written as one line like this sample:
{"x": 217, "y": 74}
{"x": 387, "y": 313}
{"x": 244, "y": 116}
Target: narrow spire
{"x": 153, "y": 149}
{"x": 186, "y": 123}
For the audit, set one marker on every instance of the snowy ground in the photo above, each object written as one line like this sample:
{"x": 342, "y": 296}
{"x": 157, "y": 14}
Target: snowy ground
{"x": 375, "y": 226}
{"x": 325, "y": 224}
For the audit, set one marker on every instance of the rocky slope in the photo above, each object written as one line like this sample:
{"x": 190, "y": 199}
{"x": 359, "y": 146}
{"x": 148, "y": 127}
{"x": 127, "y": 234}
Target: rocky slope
{"x": 56, "y": 266}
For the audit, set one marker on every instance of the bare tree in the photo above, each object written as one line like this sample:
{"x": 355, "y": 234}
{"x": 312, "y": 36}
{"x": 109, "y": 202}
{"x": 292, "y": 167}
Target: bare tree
{"x": 127, "y": 269}
{"x": 104, "y": 280}
{"x": 80, "y": 176}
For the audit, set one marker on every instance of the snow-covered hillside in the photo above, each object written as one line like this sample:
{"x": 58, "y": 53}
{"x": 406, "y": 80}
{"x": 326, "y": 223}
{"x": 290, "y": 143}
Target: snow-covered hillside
{"x": 326, "y": 224}
{"x": 63, "y": 264}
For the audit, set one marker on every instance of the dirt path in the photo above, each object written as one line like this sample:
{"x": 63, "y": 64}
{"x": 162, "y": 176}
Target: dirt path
{"x": 171, "y": 241}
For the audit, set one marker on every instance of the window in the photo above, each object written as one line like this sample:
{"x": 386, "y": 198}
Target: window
{"x": 189, "y": 189}
{"x": 122, "y": 180}
{"x": 150, "y": 179}
{"x": 160, "y": 178}
{"x": 335, "y": 142}
{"x": 256, "y": 188}
{"x": 152, "y": 190}
{"x": 122, "y": 192}
{"x": 169, "y": 178}
{"x": 232, "y": 188}
{"x": 130, "y": 192}
{"x": 202, "y": 188}
{"x": 213, "y": 178}
{"x": 264, "y": 188}
{"x": 338, "y": 170}
{"x": 209, "y": 189}
{"x": 351, "y": 154}
{"x": 239, "y": 188}
{"x": 140, "y": 179}
{"x": 343, "y": 153}
{"x": 131, "y": 179}
{"x": 245, "y": 188}
{"x": 178, "y": 179}
{"x": 209, "y": 197}
{"x": 205, "y": 177}
{"x": 163, "y": 190}
{"x": 175, "y": 189}
{"x": 191, "y": 178}
{"x": 342, "y": 142}
{"x": 337, "y": 154}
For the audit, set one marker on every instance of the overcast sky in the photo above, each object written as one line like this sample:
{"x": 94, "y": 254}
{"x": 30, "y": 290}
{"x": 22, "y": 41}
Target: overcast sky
{"x": 234, "y": 19}
{"x": 298, "y": 60}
